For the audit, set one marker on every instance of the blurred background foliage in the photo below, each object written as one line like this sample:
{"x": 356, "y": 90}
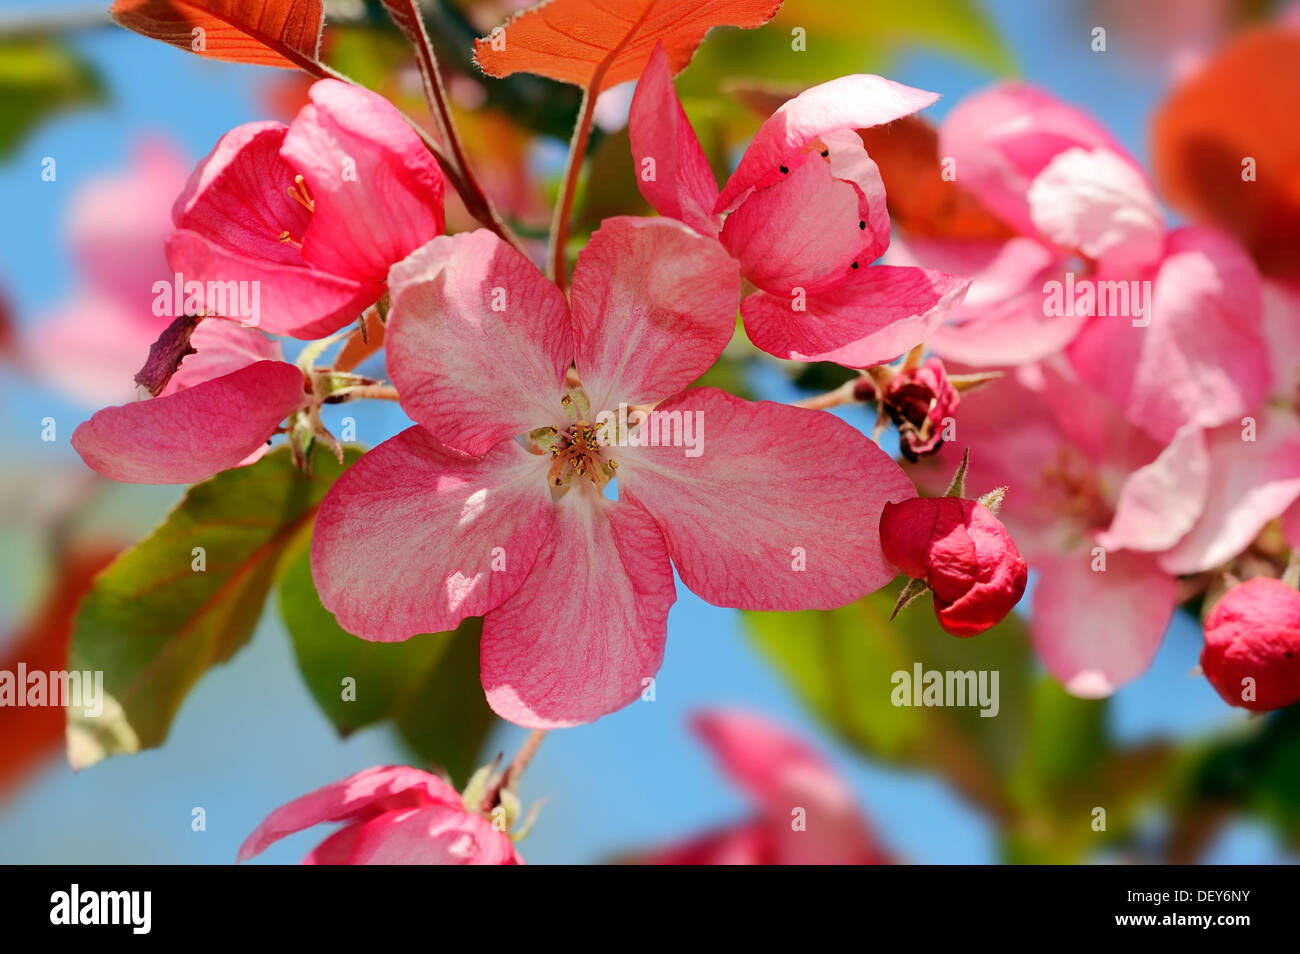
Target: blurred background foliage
{"x": 1036, "y": 772}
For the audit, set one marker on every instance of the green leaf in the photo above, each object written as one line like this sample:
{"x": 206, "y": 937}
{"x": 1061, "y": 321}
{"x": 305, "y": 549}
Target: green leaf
{"x": 428, "y": 685}
{"x": 39, "y": 77}
{"x": 448, "y": 717}
{"x": 842, "y": 663}
{"x": 154, "y": 622}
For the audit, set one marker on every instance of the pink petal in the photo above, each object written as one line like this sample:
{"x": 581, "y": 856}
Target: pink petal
{"x": 222, "y": 347}
{"x": 1100, "y": 204}
{"x": 1202, "y": 360}
{"x": 90, "y": 347}
{"x": 479, "y": 343}
{"x": 749, "y": 843}
{"x": 808, "y": 229}
{"x": 436, "y": 835}
{"x": 1250, "y": 483}
{"x": 849, "y": 102}
{"x": 192, "y": 434}
{"x": 376, "y": 188}
{"x": 1291, "y": 525}
{"x": 363, "y": 795}
{"x": 292, "y": 299}
{"x": 871, "y": 317}
{"x": 587, "y": 628}
{"x": 415, "y": 537}
{"x": 781, "y": 773}
{"x": 1002, "y": 320}
{"x": 1001, "y": 139}
{"x": 1160, "y": 502}
{"x": 681, "y": 184}
{"x": 1096, "y": 630}
{"x": 118, "y": 223}
{"x": 238, "y": 197}
{"x": 654, "y": 304}
{"x": 758, "y": 521}
{"x": 337, "y": 849}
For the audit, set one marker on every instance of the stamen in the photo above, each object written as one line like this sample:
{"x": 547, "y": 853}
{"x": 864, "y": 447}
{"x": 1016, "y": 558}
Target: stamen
{"x": 287, "y": 240}
{"x": 298, "y": 192}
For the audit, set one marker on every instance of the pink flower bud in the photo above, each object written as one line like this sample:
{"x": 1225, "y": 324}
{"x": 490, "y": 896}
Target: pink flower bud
{"x": 1252, "y": 645}
{"x": 918, "y": 401}
{"x": 963, "y": 552}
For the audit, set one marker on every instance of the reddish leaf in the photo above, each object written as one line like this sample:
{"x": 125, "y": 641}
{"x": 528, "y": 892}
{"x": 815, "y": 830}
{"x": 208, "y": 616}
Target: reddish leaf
{"x": 27, "y": 734}
{"x": 283, "y": 33}
{"x": 1241, "y": 105}
{"x": 571, "y": 40}
{"x": 921, "y": 201}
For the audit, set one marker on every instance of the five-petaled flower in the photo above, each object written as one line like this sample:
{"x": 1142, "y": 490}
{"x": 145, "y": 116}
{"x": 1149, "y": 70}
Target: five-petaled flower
{"x": 807, "y": 216}
{"x": 495, "y": 503}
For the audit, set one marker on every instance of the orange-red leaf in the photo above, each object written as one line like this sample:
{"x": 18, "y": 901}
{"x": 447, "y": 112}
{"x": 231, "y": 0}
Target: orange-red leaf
{"x": 569, "y": 40}
{"x": 1241, "y": 105}
{"x": 922, "y": 203}
{"x": 28, "y": 734}
{"x": 283, "y": 33}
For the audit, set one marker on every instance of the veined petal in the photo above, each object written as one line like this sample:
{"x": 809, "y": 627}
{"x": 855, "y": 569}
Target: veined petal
{"x": 291, "y": 298}
{"x": 778, "y": 509}
{"x": 479, "y": 342}
{"x": 815, "y": 226}
{"x": 677, "y": 179}
{"x": 872, "y": 317}
{"x": 859, "y": 101}
{"x": 654, "y": 304}
{"x": 194, "y": 433}
{"x": 588, "y": 625}
{"x": 415, "y": 537}
{"x": 377, "y": 190}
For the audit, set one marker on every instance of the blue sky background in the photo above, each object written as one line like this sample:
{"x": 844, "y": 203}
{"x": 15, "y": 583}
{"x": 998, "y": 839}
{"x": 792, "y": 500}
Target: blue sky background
{"x": 250, "y": 738}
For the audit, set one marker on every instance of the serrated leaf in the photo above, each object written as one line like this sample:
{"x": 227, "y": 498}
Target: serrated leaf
{"x": 153, "y": 623}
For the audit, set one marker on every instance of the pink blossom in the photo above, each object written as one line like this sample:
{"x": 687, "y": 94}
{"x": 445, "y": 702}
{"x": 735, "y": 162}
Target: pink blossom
{"x": 315, "y": 212}
{"x": 806, "y": 218}
{"x": 1252, "y": 645}
{"x": 218, "y": 411}
{"x": 493, "y": 503}
{"x": 784, "y": 777}
{"x": 392, "y": 815}
{"x": 90, "y": 345}
{"x": 965, "y": 555}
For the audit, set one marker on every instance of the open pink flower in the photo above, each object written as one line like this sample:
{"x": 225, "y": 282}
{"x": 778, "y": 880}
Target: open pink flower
{"x": 392, "y": 815}
{"x": 314, "y": 212}
{"x": 493, "y": 504}
{"x": 1252, "y": 645}
{"x": 807, "y": 218}
{"x": 90, "y": 345}
{"x": 965, "y": 555}
{"x": 806, "y": 814}
{"x": 1074, "y": 195}
{"x": 218, "y": 411}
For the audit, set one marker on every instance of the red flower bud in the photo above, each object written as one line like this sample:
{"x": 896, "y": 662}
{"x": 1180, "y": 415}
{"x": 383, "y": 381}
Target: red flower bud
{"x": 1253, "y": 633}
{"x": 963, "y": 552}
{"x": 918, "y": 401}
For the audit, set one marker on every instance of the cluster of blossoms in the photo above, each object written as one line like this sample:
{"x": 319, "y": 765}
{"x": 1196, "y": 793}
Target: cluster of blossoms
{"x": 560, "y": 465}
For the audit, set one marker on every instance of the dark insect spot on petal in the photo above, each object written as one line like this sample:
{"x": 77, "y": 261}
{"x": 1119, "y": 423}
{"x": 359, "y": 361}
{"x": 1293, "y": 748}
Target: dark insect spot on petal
{"x": 825, "y": 153}
{"x": 854, "y": 265}
{"x": 785, "y": 169}
{"x": 861, "y": 224}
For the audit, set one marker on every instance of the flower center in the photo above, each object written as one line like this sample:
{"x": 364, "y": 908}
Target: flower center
{"x": 577, "y": 449}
